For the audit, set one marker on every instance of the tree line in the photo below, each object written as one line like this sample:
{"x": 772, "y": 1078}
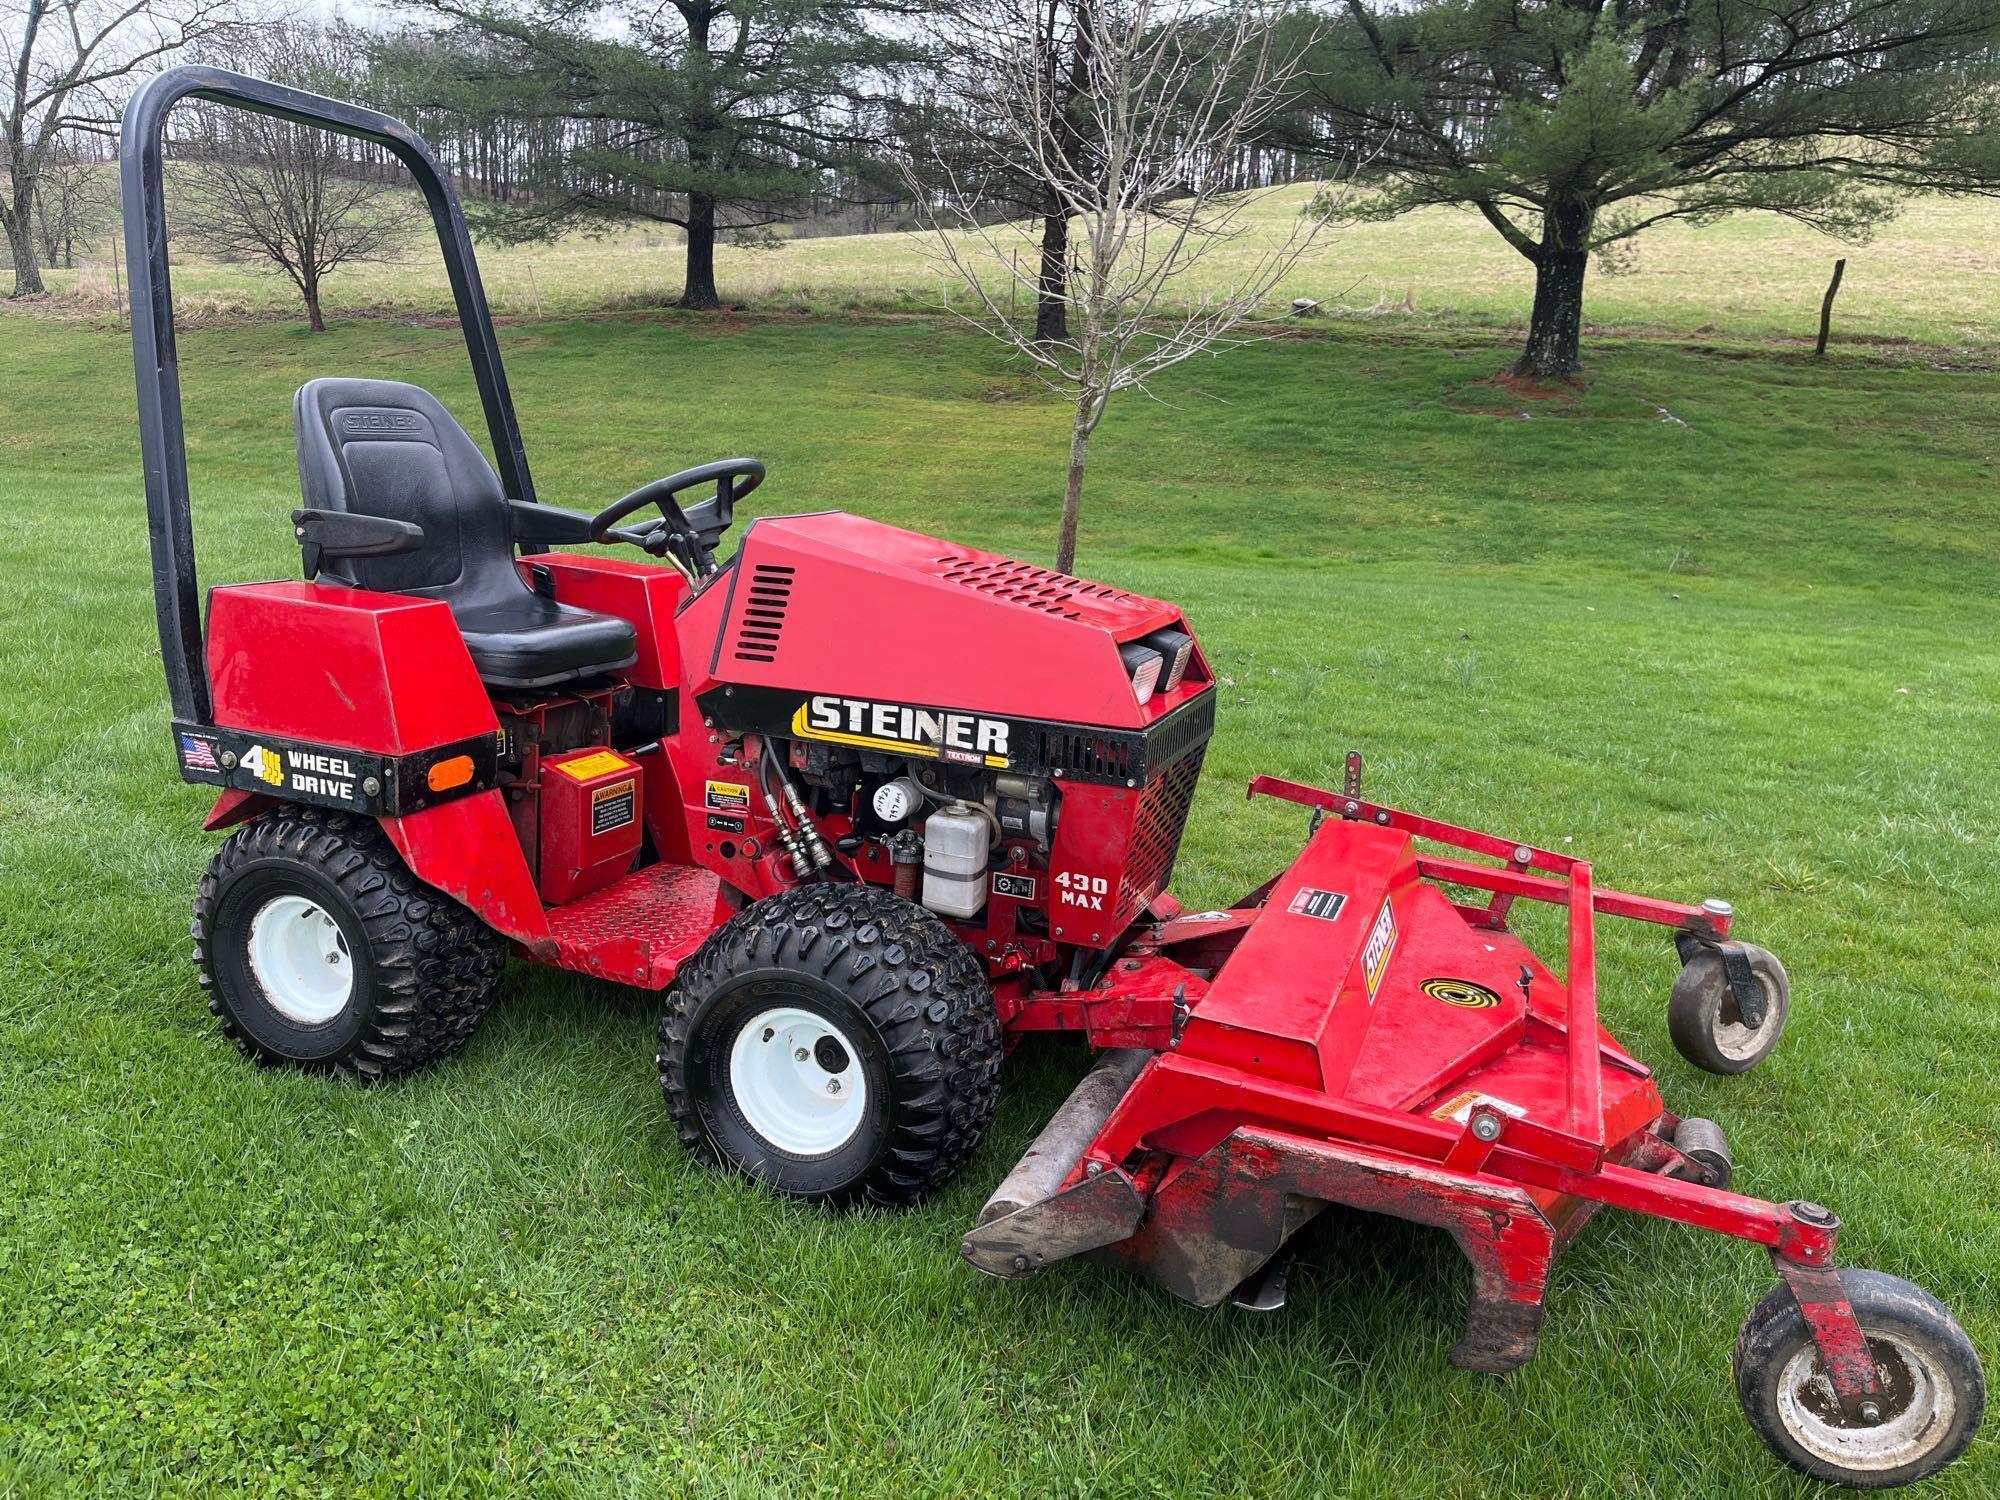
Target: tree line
{"x": 1570, "y": 126}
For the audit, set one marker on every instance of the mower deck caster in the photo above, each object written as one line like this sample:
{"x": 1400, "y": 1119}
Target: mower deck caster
{"x": 1702, "y": 1142}
{"x": 1710, "y": 1026}
{"x": 1932, "y": 1395}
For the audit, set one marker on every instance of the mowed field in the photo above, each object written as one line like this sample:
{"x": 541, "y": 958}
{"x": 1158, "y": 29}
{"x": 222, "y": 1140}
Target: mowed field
{"x": 1929, "y": 278}
{"x": 1748, "y": 651}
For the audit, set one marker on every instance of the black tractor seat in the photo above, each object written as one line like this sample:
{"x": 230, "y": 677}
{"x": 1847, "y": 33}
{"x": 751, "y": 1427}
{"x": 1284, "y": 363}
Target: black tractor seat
{"x": 384, "y": 448}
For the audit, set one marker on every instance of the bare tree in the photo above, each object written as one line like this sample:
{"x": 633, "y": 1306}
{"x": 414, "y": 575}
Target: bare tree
{"x": 74, "y": 199}
{"x": 62, "y": 65}
{"x": 1134, "y": 145}
{"x": 977, "y": 149}
{"x": 299, "y": 201}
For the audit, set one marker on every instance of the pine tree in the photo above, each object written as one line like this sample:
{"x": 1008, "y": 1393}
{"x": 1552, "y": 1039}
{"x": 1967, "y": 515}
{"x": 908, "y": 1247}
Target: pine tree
{"x": 1573, "y": 125}
{"x": 712, "y": 115}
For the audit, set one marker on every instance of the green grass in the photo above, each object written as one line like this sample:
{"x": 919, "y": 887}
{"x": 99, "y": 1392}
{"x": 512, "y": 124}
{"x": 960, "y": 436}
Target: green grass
{"x": 1752, "y": 655}
{"x": 1931, "y": 278}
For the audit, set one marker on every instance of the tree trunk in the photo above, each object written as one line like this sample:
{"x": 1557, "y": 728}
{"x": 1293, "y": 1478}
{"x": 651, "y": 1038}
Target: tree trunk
{"x": 1555, "y": 330}
{"x": 1079, "y": 454}
{"x": 21, "y": 243}
{"x": 1052, "y": 281}
{"x": 314, "y": 321}
{"x": 699, "y": 291}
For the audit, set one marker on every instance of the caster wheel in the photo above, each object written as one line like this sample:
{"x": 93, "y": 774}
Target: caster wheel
{"x": 1933, "y": 1390}
{"x": 1702, "y": 1142}
{"x": 1707, "y": 1027}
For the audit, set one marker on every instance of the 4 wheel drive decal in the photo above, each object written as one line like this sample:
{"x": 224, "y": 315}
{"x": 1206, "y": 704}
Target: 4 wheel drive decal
{"x": 265, "y": 765}
{"x": 933, "y": 733}
{"x": 334, "y": 775}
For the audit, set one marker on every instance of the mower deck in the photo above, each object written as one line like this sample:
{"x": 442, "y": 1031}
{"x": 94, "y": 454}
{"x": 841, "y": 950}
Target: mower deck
{"x": 1352, "y": 1033}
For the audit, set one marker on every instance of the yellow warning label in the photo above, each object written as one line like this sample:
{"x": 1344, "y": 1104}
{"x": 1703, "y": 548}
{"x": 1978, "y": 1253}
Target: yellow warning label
{"x": 603, "y": 763}
{"x": 1458, "y": 1109}
{"x": 612, "y": 807}
{"x": 728, "y": 796}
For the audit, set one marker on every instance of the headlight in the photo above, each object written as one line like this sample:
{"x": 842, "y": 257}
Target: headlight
{"x": 1144, "y": 665}
{"x": 1177, "y": 646}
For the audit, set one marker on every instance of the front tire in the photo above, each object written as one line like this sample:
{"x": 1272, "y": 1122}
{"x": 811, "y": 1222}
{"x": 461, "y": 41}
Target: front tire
{"x": 319, "y": 949}
{"x": 837, "y": 1044}
{"x": 1933, "y": 1395}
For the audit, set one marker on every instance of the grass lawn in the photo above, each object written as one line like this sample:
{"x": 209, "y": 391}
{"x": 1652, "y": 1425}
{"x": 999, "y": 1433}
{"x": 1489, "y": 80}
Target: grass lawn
{"x": 1746, "y": 651}
{"x": 1930, "y": 278}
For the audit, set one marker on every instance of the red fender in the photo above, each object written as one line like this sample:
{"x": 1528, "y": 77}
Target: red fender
{"x": 469, "y": 850}
{"x": 234, "y": 807}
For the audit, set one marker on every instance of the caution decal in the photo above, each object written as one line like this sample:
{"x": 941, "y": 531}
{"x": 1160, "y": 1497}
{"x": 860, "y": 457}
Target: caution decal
{"x": 728, "y": 796}
{"x": 1311, "y": 902}
{"x": 612, "y": 806}
{"x": 1458, "y": 1109}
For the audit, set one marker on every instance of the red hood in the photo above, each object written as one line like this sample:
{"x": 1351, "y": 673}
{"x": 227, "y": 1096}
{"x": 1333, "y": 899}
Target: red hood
{"x": 833, "y": 603}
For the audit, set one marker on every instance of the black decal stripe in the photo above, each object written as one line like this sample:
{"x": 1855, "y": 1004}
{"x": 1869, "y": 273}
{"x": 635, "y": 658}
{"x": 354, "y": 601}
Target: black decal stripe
{"x": 1035, "y": 747}
{"x": 403, "y": 781}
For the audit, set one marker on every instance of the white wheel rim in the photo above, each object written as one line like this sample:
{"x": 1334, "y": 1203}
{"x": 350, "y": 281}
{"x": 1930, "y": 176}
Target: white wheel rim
{"x": 299, "y": 956}
{"x": 798, "y": 1080}
{"x": 1733, "y": 1039}
{"x": 1921, "y": 1413}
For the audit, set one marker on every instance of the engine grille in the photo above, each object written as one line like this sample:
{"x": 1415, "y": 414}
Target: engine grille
{"x": 1025, "y": 584}
{"x": 762, "y": 620}
{"x": 1157, "y": 827}
{"x": 1079, "y": 752}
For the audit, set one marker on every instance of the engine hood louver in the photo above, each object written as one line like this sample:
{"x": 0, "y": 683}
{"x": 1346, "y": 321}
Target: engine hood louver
{"x": 761, "y": 623}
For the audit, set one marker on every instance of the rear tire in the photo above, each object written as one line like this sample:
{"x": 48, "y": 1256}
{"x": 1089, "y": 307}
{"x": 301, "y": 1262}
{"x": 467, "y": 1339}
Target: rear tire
{"x": 1934, "y": 1391}
{"x": 837, "y": 1044}
{"x": 319, "y": 949}
{"x": 1702, "y": 1018}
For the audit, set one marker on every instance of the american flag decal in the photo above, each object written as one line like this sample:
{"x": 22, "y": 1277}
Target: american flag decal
{"x": 198, "y": 754}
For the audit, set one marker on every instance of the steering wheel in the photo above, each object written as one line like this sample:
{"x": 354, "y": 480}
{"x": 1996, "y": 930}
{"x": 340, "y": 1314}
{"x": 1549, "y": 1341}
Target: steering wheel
{"x": 691, "y": 534}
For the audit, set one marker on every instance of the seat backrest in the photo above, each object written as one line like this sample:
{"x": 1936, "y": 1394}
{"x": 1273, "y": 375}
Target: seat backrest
{"x": 384, "y": 448}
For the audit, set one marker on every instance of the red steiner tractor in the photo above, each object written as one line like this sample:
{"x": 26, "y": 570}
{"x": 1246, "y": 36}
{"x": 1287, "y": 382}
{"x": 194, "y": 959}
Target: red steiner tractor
{"x": 868, "y": 807}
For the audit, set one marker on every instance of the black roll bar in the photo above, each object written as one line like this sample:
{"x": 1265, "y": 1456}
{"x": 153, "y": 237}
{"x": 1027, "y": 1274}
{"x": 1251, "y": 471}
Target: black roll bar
{"x": 162, "y": 439}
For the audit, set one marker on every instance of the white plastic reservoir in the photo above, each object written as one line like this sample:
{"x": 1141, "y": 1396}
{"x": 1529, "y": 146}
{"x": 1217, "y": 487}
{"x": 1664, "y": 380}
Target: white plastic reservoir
{"x": 955, "y": 845}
